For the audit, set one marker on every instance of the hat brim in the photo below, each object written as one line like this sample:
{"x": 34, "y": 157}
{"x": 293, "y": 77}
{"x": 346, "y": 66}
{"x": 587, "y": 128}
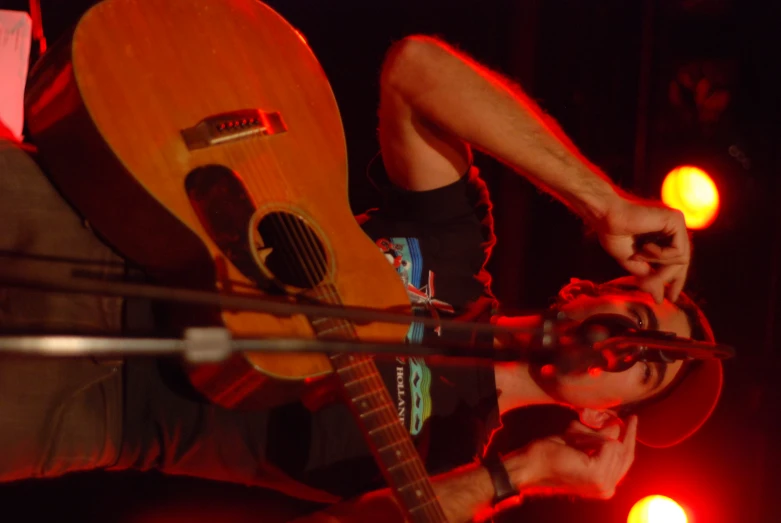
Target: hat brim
{"x": 679, "y": 415}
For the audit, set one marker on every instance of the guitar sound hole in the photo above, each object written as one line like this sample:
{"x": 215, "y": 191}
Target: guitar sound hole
{"x": 291, "y": 250}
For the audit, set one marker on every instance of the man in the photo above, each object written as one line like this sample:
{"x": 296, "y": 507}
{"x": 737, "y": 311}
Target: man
{"x": 434, "y": 104}
{"x": 435, "y": 226}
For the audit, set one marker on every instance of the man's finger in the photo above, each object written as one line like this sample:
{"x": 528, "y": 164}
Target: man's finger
{"x": 557, "y": 439}
{"x": 637, "y": 267}
{"x": 667, "y": 260}
{"x": 588, "y": 443}
{"x": 654, "y": 286}
{"x": 653, "y": 252}
{"x": 676, "y": 227}
{"x": 630, "y": 437}
{"x": 674, "y": 275}
{"x": 655, "y": 283}
{"x": 675, "y": 288}
{"x": 674, "y": 252}
{"x": 579, "y": 426}
{"x": 610, "y": 430}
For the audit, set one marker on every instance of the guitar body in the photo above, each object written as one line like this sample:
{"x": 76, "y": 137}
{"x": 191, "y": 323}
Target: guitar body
{"x": 201, "y": 138}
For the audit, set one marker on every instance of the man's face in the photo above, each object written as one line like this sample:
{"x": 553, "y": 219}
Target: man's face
{"x": 642, "y": 380}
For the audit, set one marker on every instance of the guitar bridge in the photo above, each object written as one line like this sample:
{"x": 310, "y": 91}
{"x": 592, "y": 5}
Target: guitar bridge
{"x": 232, "y": 126}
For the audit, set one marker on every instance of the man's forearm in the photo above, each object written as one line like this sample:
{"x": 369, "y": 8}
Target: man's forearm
{"x": 462, "y": 493}
{"x": 485, "y": 110}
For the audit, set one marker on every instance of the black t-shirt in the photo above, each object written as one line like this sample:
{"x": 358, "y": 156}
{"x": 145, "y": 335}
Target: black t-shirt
{"x": 439, "y": 242}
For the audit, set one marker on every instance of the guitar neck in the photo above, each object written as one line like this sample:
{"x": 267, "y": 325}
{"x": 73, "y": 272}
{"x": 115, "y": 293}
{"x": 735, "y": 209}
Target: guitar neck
{"x": 375, "y": 412}
{"x": 388, "y": 439}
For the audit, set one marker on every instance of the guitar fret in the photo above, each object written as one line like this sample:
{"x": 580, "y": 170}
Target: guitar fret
{"x": 383, "y": 427}
{"x": 429, "y": 502}
{"x": 401, "y": 464}
{"x": 354, "y": 382}
{"x": 411, "y": 483}
{"x": 391, "y": 445}
{"x": 356, "y": 399}
{"x": 350, "y": 366}
{"x": 374, "y": 411}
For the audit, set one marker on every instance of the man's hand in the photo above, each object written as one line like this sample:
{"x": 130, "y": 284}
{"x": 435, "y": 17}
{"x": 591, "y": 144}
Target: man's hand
{"x": 583, "y": 462}
{"x": 650, "y": 241}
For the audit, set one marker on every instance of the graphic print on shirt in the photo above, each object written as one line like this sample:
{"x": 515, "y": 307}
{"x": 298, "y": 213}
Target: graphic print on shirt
{"x": 420, "y": 394}
{"x": 405, "y": 256}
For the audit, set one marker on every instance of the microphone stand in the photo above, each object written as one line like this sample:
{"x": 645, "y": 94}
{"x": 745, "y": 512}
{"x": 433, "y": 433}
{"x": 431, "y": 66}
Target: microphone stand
{"x": 553, "y": 341}
{"x": 210, "y": 344}
{"x": 214, "y": 344}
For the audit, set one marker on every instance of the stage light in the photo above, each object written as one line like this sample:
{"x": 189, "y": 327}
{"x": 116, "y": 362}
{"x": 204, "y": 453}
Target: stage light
{"x": 690, "y": 190}
{"x": 657, "y": 509}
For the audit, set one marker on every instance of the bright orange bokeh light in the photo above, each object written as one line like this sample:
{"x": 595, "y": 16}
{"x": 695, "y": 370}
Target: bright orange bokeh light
{"x": 657, "y": 509}
{"x": 690, "y": 190}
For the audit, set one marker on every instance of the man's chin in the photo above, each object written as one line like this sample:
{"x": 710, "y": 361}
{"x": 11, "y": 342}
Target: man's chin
{"x": 549, "y": 384}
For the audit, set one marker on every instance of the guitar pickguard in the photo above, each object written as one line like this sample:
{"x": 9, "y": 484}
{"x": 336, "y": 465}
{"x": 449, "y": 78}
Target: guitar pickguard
{"x": 224, "y": 208}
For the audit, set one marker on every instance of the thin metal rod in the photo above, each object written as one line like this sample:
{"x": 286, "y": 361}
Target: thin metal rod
{"x": 218, "y": 347}
{"x": 237, "y": 302}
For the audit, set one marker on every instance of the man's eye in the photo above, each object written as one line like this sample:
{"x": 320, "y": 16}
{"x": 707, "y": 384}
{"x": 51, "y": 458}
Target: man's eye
{"x": 638, "y": 319}
{"x": 646, "y": 373}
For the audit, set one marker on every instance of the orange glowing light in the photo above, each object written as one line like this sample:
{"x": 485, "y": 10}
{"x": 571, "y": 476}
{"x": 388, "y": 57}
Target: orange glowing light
{"x": 657, "y": 509}
{"x": 690, "y": 190}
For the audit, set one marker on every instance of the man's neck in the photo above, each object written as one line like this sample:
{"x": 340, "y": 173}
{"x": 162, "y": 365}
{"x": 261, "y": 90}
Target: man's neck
{"x": 514, "y": 384}
{"x": 516, "y": 388}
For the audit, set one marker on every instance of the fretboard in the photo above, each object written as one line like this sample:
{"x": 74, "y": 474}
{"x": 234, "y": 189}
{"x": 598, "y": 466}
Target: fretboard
{"x": 376, "y": 414}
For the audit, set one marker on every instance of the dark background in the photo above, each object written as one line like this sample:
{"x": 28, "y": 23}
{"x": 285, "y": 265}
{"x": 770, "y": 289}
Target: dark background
{"x": 612, "y": 73}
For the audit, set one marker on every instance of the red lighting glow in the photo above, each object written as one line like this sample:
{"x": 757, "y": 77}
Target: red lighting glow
{"x": 690, "y": 190}
{"x": 657, "y": 509}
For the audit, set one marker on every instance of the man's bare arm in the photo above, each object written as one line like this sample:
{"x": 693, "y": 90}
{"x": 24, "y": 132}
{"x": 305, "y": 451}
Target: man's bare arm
{"x": 548, "y": 466}
{"x": 462, "y": 494}
{"x": 447, "y": 91}
{"x": 435, "y": 102}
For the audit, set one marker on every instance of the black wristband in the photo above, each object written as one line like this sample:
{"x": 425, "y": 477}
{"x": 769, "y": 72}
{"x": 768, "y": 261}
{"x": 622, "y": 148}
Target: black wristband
{"x": 503, "y": 487}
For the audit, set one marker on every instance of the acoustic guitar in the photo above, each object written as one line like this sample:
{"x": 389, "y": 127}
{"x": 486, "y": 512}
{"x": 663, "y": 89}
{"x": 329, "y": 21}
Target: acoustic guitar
{"x": 202, "y": 140}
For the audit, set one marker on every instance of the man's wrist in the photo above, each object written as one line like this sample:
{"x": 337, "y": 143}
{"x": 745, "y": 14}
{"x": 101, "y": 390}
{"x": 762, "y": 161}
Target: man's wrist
{"x": 503, "y": 486}
{"x": 523, "y": 471}
{"x": 592, "y": 195}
